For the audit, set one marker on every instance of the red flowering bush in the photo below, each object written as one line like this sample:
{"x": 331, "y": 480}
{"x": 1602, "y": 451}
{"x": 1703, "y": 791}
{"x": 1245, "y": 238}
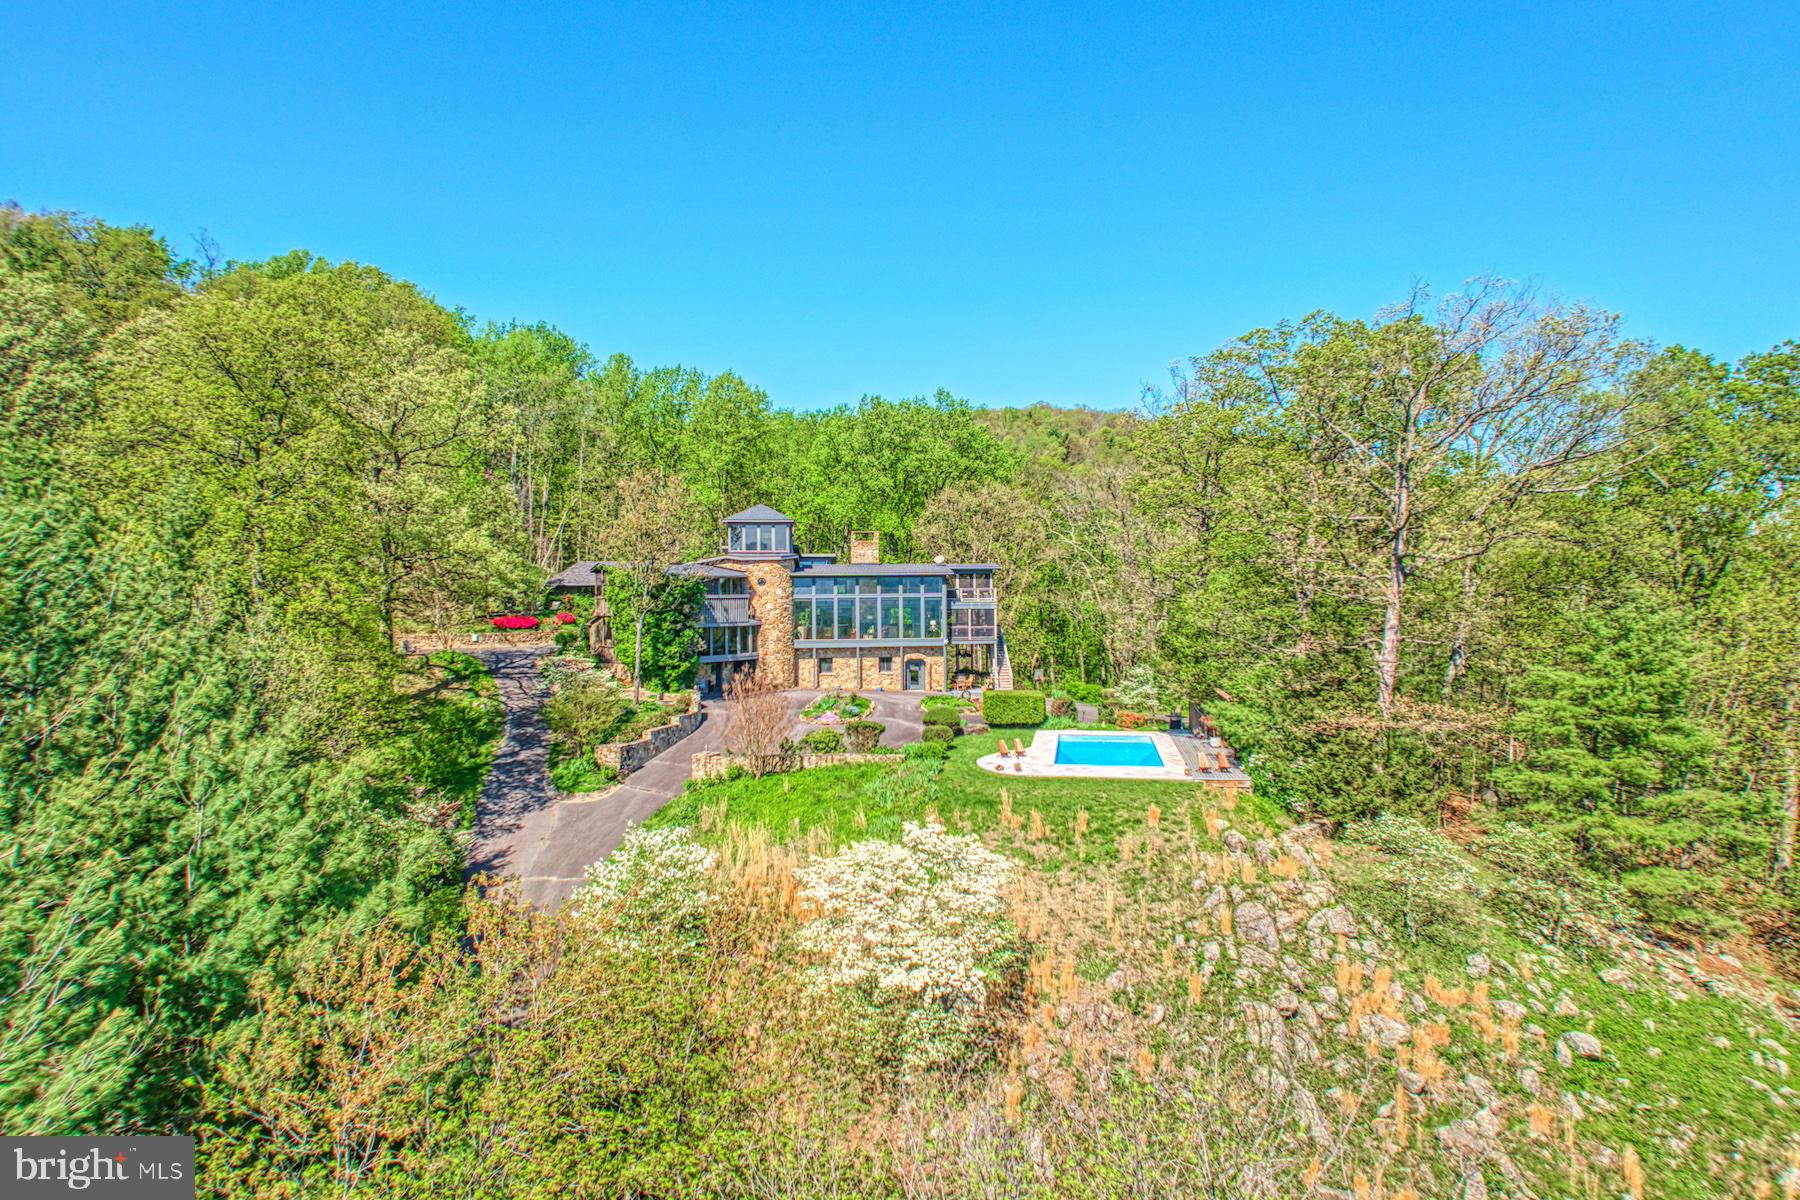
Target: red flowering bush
{"x": 515, "y": 622}
{"x": 565, "y": 618}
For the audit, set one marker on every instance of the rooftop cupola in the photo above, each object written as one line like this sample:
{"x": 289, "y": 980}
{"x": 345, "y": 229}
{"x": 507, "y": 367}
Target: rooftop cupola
{"x": 759, "y": 531}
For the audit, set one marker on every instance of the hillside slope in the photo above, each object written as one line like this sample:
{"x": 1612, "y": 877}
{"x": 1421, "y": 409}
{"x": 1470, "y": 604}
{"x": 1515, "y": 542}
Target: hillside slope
{"x": 1212, "y": 1003}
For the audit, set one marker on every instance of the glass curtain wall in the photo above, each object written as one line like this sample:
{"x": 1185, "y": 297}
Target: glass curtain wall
{"x": 884, "y": 608}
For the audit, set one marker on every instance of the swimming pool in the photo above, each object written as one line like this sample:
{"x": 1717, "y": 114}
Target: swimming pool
{"x": 1125, "y": 750}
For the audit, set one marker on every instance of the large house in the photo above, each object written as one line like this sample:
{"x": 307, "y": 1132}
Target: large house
{"x": 809, "y": 621}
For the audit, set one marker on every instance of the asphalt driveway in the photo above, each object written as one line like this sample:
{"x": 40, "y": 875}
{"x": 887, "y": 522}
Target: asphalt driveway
{"x": 544, "y": 839}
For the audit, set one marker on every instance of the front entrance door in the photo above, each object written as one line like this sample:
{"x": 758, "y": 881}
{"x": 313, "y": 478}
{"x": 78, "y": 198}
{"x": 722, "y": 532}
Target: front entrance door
{"x": 915, "y": 674}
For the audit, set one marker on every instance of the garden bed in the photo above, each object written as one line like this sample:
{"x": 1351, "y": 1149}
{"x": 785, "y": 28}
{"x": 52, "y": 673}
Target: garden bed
{"x": 836, "y": 708}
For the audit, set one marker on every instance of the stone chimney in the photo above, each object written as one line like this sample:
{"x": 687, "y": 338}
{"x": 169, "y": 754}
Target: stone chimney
{"x": 865, "y": 546}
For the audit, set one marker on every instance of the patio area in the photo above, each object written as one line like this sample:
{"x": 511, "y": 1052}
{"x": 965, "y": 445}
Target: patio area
{"x": 1179, "y": 758}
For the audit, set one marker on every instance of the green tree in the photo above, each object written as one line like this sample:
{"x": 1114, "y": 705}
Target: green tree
{"x": 655, "y": 523}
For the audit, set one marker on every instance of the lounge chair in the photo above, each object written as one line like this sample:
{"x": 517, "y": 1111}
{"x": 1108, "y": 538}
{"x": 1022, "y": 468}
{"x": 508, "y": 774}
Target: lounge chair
{"x": 1018, "y": 748}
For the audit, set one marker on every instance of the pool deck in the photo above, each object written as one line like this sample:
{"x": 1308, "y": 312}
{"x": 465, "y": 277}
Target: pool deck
{"x": 1180, "y": 760}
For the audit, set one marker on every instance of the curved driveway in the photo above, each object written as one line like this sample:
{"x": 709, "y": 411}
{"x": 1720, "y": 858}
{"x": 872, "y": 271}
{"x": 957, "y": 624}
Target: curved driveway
{"x": 544, "y": 839}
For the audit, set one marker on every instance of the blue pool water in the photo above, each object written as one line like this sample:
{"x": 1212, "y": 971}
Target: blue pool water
{"x": 1126, "y": 750}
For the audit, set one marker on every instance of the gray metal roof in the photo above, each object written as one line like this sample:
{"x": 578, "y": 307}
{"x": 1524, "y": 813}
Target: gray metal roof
{"x": 973, "y": 566}
{"x": 705, "y": 570}
{"x": 824, "y": 569}
{"x": 758, "y": 512}
{"x": 581, "y": 574}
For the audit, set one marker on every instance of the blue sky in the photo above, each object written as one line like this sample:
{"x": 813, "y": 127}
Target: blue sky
{"x": 1036, "y": 203}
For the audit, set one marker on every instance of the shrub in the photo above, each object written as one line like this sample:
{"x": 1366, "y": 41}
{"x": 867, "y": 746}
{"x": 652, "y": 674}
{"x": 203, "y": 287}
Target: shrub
{"x": 1139, "y": 690}
{"x": 862, "y": 735}
{"x": 928, "y": 750}
{"x": 514, "y": 622}
{"x": 1545, "y": 890}
{"x": 1108, "y": 714}
{"x": 652, "y": 890}
{"x": 580, "y": 773}
{"x": 911, "y": 924}
{"x": 565, "y": 618}
{"x": 567, "y": 639}
{"x": 937, "y": 733}
{"x": 584, "y": 710}
{"x": 1423, "y": 883}
{"x": 945, "y": 718}
{"x": 822, "y": 741}
{"x": 1131, "y": 720}
{"x": 1061, "y": 706}
{"x": 1082, "y": 693}
{"x": 1012, "y": 708}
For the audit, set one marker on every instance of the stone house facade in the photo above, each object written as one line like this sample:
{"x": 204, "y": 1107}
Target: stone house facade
{"x": 809, "y": 621}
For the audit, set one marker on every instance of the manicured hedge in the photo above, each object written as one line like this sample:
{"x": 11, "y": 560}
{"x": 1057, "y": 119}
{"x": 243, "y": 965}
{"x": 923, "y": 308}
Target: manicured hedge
{"x": 1012, "y": 708}
{"x": 823, "y": 741}
{"x": 937, "y": 733}
{"x": 862, "y": 735}
{"x": 948, "y": 718}
{"x": 939, "y": 750}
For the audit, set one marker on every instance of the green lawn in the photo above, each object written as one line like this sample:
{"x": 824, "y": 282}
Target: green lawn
{"x": 873, "y": 800}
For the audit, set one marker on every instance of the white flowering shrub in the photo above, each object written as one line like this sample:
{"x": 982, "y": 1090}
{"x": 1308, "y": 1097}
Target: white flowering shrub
{"x": 654, "y": 889}
{"x": 911, "y": 923}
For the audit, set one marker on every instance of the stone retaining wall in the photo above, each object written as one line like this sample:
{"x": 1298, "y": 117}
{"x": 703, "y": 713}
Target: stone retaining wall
{"x": 712, "y": 764}
{"x": 431, "y": 643}
{"x": 626, "y": 757}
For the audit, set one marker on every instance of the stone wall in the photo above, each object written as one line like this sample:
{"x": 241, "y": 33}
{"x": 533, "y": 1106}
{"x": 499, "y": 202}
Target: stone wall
{"x": 431, "y": 643}
{"x": 626, "y": 757}
{"x": 857, "y": 668}
{"x": 772, "y": 603}
{"x": 711, "y": 764}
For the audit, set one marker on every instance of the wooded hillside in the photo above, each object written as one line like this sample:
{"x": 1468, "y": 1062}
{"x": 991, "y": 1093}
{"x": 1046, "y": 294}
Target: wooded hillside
{"x": 1479, "y": 560}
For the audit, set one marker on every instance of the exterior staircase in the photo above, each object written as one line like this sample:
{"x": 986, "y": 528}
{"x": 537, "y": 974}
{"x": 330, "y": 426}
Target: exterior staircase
{"x": 1003, "y": 676}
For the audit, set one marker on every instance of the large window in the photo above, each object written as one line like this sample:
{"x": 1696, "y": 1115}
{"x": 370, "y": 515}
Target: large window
{"x": 735, "y": 641}
{"x": 760, "y": 538}
{"x": 844, "y": 608}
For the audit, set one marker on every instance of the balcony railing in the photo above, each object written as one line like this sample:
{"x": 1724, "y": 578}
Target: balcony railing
{"x": 726, "y": 610}
{"x": 983, "y": 595}
{"x": 972, "y": 631}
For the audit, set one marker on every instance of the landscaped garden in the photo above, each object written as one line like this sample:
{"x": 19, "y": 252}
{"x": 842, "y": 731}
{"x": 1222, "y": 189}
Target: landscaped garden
{"x": 836, "y": 707}
{"x": 588, "y": 708}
